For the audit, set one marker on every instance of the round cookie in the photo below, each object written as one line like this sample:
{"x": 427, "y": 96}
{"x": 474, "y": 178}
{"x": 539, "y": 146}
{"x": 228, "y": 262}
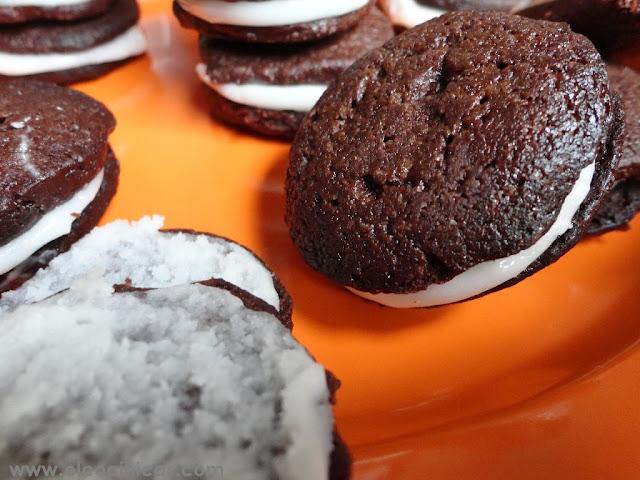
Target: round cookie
{"x": 409, "y": 13}
{"x": 268, "y": 89}
{"x": 194, "y": 378}
{"x": 271, "y": 21}
{"x": 609, "y": 24}
{"x": 139, "y": 254}
{"x": 623, "y": 201}
{"x": 56, "y": 173}
{"x": 22, "y": 11}
{"x": 67, "y": 52}
{"x": 460, "y": 158}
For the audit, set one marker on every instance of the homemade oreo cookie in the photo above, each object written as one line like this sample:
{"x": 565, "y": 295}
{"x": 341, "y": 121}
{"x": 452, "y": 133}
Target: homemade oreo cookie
{"x": 609, "y": 24}
{"x": 409, "y": 13}
{"x": 57, "y": 173}
{"x": 271, "y": 21}
{"x": 623, "y": 201}
{"x": 193, "y": 380}
{"x": 268, "y": 89}
{"x": 458, "y": 159}
{"x": 71, "y": 51}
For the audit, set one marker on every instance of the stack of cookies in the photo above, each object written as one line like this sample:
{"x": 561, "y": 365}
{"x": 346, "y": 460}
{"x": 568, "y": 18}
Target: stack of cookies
{"x": 267, "y": 62}
{"x": 67, "y": 41}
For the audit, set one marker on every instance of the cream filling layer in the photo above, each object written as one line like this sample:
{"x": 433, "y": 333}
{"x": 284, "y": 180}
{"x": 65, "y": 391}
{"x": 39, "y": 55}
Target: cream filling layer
{"x": 40, "y": 3}
{"x": 271, "y": 13}
{"x": 296, "y": 98}
{"x": 129, "y": 44}
{"x": 53, "y": 224}
{"x": 488, "y": 275}
{"x": 409, "y": 13}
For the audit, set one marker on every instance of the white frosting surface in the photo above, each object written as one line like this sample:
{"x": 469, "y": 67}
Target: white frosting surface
{"x": 40, "y": 3}
{"x": 297, "y": 98}
{"x": 491, "y": 274}
{"x": 409, "y": 13}
{"x": 270, "y": 13}
{"x": 129, "y": 44}
{"x": 53, "y": 224}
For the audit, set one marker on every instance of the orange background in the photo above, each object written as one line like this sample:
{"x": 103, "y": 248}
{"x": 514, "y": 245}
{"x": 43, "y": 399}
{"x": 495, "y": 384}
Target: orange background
{"x": 540, "y": 381}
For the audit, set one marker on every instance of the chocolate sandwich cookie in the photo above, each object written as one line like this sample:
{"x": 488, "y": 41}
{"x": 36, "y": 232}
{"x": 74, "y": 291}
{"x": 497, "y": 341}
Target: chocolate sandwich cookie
{"x": 271, "y": 21}
{"x": 610, "y": 24}
{"x": 463, "y": 156}
{"x": 68, "y": 52}
{"x": 268, "y": 89}
{"x": 21, "y": 11}
{"x": 195, "y": 379}
{"x": 57, "y": 173}
{"x": 623, "y": 201}
{"x": 409, "y": 13}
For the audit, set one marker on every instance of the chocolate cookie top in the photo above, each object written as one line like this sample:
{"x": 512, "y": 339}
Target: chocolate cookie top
{"x": 454, "y": 144}
{"x": 60, "y": 13}
{"x": 294, "y": 64}
{"x": 282, "y": 34}
{"x": 52, "y": 142}
{"x": 610, "y": 24}
{"x": 50, "y": 37}
{"x": 455, "y": 5}
{"x": 626, "y": 83}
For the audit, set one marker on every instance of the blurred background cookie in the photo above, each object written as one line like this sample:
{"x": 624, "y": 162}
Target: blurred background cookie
{"x": 52, "y": 47}
{"x": 268, "y": 89}
{"x": 271, "y": 21}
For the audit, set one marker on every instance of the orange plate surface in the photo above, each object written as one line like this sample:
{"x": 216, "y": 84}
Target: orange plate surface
{"x": 540, "y": 381}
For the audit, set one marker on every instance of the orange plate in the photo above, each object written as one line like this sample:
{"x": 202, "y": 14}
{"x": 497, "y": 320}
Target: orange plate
{"x": 539, "y": 381}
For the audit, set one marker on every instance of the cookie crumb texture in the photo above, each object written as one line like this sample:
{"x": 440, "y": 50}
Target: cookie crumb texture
{"x": 454, "y": 144}
{"x": 179, "y": 377}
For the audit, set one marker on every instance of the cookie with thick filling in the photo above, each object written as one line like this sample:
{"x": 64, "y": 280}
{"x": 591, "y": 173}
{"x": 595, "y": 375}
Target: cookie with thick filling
{"x": 623, "y": 201}
{"x": 22, "y": 11}
{"x": 271, "y": 21}
{"x": 268, "y": 89}
{"x": 459, "y": 158}
{"x": 409, "y": 13}
{"x": 191, "y": 378}
{"x": 69, "y": 52}
{"x": 142, "y": 255}
{"x": 57, "y": 173}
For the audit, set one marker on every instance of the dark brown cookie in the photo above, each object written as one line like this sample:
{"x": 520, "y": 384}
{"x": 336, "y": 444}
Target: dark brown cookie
{"x": 271, "y": 123}
{"x": 319, "y": 62}
{"x": 623, "y": 202}
{"x": 76, "y": 75}
{"x": 62, "y": 13}
{"x": 53, "y": 141}
{"x": 457, "y": 5}
{"x": 610, "y": 24}
{"x": 297, "y": 33}
{"x": 51, "y": 37}
{"x": 84, "y": 223}
{"x": 455, "y": 144}
{"x": 316, "y": 63}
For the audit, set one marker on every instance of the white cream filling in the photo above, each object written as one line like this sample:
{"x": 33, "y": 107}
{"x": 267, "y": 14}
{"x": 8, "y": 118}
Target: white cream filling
{"x": 53, "y": 224}
{"x": 491, "y": 274}
{"x": 296, "y": 98}
{"x": 409, "y": 13}
{"x": 271, "y": 13}
{"x": 129, "y": 44}
{"x": 40, "y": 3}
